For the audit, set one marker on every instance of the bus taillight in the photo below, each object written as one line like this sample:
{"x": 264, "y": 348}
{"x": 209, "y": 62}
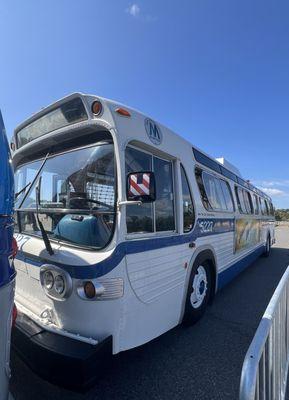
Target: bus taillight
{"x": 14, "y": 315}
{"x": 14, "y": 248}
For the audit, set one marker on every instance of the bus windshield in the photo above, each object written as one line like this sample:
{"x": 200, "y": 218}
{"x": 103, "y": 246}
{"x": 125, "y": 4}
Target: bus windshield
{"x": 77, "y": 196}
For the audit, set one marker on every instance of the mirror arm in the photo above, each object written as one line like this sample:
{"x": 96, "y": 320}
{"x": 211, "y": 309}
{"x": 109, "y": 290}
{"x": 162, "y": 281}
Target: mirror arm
{"x": 127, "y": 203}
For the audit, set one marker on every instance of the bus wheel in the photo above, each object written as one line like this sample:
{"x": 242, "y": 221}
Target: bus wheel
{"x": 198, "y": 294}
{"x": 267, "y": 247}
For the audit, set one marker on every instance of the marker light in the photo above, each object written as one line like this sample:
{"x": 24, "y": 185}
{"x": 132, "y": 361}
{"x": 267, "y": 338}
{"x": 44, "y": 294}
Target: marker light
{"x": 96, "y": 107}
{"x": 123, "y": 112}
{"x": 48, "y": 280}
{"x": 59, "y": 284}
{"x": 89, "y": 290}
{"x": 12, "y": 146}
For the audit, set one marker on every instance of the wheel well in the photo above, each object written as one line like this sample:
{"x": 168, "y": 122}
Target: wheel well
{"x": 208, "y": 257}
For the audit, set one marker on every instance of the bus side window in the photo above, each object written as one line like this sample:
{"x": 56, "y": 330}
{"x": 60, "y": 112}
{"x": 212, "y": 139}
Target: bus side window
{"x": 240, "y": 199}
{"x": 204, "y": 197}
{"x": 263, "y": 206}
{"x": 256, "y": 204}
{"x": 138, "y": 218}
{"x": 266, "y": 207}
{"x": 271, "y": 209}
{"x": 227, "y": 195}
{"x": 248, "y": 202}
{"x": 160, "y": 215}
{"x": 164, "y": 204}
{"x": 215, "y": 193}
{"x": 188, "y": 208}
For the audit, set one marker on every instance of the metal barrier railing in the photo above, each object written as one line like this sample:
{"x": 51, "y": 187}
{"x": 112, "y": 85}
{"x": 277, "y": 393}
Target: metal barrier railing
{"x": 264, "y": 372}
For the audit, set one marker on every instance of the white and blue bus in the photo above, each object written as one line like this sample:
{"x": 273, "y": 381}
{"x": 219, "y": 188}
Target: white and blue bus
{"x": 7, "y": 252}
{"x": 125, "y": 230}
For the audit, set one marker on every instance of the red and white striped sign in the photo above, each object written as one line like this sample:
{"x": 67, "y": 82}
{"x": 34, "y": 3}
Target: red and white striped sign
{"x": 139, "y": 184}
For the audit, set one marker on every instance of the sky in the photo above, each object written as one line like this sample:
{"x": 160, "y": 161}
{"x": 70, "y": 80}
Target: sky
{"x": 216, "y": 72}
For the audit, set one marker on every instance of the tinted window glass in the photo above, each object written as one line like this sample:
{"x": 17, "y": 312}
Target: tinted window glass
{"x": 271, "y": 208}
{"x": 256, "y": 204}
{"x": 139, "y": 218}
{"x": 248, "y": 201}
{"x": 227, "y": 195}
{"x": 240, "y": 200}
{"x": 203, "y": 193}
{"x": 188, "y": 208}
{"x": 164, "y": 204}
{"x": 213, "y": 192}
{"x": 157, "y": 216}
{"x": 266, "y": 207}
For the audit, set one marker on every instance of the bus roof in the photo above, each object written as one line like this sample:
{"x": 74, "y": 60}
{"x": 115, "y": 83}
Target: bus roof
{"x": 36, "y": 122}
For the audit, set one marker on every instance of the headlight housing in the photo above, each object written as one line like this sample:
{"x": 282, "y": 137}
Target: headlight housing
{"x": 56, "y": 283}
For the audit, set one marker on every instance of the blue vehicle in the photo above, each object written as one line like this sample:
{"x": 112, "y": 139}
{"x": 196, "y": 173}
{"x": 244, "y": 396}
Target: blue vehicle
{"x": 7, "y": 253}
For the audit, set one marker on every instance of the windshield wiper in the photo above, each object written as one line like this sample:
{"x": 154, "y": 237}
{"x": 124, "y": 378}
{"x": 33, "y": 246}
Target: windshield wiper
{"x": 43, "y": 231}
{"x": 33, "y": 181}
{"x": 22, "y": 190}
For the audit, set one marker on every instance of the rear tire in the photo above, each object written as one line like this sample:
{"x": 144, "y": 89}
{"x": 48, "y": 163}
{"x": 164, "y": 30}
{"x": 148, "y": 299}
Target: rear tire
{"x": 267, "y": 247}
{"x": 198, "y": 293}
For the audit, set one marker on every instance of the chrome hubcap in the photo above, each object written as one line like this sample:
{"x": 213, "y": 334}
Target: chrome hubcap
{"x": 200, "y": 287}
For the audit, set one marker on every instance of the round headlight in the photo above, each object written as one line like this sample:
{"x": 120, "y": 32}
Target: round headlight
{"x": 48, "y": 280}
{"x": 59, "y": 284}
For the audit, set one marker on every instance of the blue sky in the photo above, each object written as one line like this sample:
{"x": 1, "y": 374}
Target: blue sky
{"x": 216, "y": 72}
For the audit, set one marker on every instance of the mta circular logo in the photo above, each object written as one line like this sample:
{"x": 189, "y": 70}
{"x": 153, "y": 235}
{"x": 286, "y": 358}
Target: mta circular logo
{"x": 153, "y": 131}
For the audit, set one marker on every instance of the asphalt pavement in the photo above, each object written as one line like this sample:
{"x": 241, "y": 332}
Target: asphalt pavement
{"x": 199, "y": 362}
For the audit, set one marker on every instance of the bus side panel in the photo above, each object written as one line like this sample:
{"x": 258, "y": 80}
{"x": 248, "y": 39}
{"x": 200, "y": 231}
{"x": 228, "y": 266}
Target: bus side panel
{"x": 154, "y": 297}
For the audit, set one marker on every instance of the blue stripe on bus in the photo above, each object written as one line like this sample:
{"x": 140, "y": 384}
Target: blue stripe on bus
{"x": 218, "y": 226}
{"x": 231, "y": 272}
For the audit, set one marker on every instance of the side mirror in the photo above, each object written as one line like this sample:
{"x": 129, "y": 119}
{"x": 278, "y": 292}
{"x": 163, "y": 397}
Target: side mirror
{"x": 141, "y": 186}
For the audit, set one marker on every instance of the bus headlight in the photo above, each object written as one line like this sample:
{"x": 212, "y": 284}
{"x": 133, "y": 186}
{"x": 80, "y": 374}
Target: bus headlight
{"x": 59, "y": 284}
{"x": 56, "y": 283}
{"x": 48, "y": 280}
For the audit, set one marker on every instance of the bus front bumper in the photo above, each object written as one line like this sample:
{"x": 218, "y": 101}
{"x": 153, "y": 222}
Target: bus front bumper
{"x": 59, "y": 359}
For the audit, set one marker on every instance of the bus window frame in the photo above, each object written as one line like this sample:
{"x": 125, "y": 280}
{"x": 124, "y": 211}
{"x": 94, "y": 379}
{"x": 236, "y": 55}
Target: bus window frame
{"x": 155, "y": 233}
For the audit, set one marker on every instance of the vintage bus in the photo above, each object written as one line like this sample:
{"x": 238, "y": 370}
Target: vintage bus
{"x": 125, "y": 230}
{"x": 7, "y": 252}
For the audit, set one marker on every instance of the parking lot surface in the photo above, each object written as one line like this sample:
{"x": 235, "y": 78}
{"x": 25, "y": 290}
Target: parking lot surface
{"x": 200, "y": 362}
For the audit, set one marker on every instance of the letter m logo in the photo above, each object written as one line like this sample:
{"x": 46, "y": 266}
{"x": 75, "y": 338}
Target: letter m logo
{"x": 153, "y": 131}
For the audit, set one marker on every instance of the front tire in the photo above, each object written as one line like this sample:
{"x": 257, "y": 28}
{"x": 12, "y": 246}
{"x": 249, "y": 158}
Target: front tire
{"x": 198, "y": 293}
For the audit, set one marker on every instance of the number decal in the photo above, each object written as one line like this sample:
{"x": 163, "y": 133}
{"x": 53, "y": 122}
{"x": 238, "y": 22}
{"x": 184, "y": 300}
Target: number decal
{"x": 206, "y": 226}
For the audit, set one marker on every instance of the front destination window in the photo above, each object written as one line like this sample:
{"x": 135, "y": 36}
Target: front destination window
{"x": 77, "y": 196}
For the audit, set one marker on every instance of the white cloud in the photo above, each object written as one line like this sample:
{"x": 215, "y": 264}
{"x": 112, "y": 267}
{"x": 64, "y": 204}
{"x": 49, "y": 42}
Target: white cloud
{"x": 133, "y": 10}
{"x": 273, "y": 183}
{"x": 272, "y": 191}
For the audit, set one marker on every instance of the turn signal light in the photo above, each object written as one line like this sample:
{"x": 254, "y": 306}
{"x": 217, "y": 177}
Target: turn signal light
{"x": 89, "y": 290}
{"x": 123, "y": 112}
